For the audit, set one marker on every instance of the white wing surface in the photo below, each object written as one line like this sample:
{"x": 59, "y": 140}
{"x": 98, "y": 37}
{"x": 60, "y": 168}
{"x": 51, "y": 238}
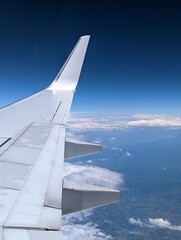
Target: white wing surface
{"x": 33, "y": 146}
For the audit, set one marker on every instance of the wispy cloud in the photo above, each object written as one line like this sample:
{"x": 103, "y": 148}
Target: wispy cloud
{"x": 82, "y": 232}
{"x": 112, "y": 138}
{"x": 137, "y": 222}
{"x": 73, "y": 229}
{"x": 127, "y": 154}
{"x": 121, "y": 122}
{"x": 155, "y": 223}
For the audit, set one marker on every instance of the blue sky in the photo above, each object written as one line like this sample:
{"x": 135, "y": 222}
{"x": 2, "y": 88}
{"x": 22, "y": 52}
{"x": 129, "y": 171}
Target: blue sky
{"x": 133, "y": 64}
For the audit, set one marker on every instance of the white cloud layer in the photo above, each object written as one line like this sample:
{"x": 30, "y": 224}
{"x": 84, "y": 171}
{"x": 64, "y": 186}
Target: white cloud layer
{"x": 121, "y": 122}
{"x": 92, "y": 175}
{"x": 157, "y": 122}
{"x": 155, "y": 223}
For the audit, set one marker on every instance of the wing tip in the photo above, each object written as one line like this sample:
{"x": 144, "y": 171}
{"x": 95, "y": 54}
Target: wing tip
{"x": 68, "y": 76}
{"x": 85, "y": 36}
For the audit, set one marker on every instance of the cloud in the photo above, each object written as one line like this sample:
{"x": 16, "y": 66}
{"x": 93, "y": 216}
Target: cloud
{"x": 128, "y": 154}
{"x": 112, "y": 138}
{"x": 78, "y": 216}
{"x": 92, "y": 175}
{"x": 97, "y": 141}
{"x": 155, "y": 223}
{"x": 89, "y": 161}
{"x": 121, "y": 122}
{"x": 148, "y": 116}
{"x": 136, "y": 222}
{"x": 158, "y": 122}
{"x": 74, "y": 227}
{"x": 82, "y": 232}
{"x": 161, "y": 223}
{"x": 115, "y": 148}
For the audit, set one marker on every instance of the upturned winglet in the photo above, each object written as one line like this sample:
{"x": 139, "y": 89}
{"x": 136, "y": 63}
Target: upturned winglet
{"x": 68, "y": 76}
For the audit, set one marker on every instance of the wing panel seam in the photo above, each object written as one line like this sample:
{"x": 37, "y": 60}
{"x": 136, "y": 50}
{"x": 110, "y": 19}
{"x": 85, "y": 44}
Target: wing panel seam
{"x": 56, "y": 112}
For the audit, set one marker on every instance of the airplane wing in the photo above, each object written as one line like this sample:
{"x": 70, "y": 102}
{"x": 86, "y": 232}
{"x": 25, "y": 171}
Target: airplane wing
{"x": 33, "y": 146}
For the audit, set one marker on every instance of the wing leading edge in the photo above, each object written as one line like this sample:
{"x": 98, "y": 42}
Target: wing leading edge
{"x": 33, "y": 193}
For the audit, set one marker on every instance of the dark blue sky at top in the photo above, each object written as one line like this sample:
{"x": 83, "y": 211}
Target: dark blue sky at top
{"x": 133, "y": 63}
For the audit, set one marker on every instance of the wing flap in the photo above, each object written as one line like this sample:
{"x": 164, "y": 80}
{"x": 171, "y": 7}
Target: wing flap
{"x": 75, "y": 148}
{"x": 77, "y": 197}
